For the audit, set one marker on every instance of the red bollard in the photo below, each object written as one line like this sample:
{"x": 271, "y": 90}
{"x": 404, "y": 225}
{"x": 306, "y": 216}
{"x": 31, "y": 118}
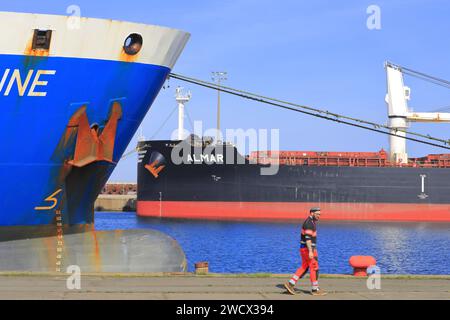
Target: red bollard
{"x": 360, "y": 264}
{"x": 201, "y": 267}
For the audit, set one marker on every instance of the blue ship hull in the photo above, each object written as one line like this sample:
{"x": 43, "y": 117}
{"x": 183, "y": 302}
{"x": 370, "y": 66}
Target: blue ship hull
{"x": 32, "y": 128}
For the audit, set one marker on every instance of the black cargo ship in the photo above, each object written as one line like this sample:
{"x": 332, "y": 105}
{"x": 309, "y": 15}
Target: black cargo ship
{"x": 346, "y": 185}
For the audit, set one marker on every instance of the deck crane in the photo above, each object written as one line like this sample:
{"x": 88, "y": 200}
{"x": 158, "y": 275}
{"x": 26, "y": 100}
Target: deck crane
{"x": 400, "y": 115}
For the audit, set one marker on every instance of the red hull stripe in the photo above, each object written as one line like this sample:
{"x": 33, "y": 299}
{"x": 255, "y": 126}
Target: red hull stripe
{"x": 293, "y": 211}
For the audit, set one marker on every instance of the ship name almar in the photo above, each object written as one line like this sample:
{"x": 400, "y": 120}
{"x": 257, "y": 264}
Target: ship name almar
{"x": 30, "y": 83}
{"x": 208, "y": 158}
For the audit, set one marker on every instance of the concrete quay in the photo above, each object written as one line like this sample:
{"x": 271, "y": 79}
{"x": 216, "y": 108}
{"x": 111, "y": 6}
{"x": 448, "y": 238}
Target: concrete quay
{"x": 187, "y": 286}
{"x": 115, "y": 202}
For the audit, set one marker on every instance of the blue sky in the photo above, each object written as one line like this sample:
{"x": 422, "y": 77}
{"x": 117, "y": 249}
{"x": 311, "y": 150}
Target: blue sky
{"x": 317, "y": 53}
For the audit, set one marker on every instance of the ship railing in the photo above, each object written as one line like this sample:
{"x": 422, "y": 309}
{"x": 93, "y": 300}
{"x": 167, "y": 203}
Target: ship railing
{"x": 348, "y": 162}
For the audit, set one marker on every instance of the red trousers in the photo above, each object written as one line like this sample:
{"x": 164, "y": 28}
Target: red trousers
{"x": 308, "y": 264}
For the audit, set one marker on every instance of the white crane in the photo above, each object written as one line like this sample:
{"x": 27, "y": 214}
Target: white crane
{"x": 397, "y": 98}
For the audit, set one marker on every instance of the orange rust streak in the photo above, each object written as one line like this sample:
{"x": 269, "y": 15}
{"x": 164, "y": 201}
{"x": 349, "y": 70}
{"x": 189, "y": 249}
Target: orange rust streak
{"x": 51, "y": 250}
{"x": 128, "y": 58}
{"x": 91, "y": 147}
{"x": 108, "y": 136}
{"x": 97, "y": 257}
{"x": 37, "y": 53}
{"x": 86, "y": 148}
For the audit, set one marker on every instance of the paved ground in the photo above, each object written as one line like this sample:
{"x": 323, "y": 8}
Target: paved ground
{"x": 223, "y": 287}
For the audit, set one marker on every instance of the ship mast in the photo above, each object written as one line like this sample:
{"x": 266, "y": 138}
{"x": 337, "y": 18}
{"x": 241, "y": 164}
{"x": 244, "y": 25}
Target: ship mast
{"x": 399, "y": 114}
{"x": 218, "y": 76}
{"x": 182, "y": 98}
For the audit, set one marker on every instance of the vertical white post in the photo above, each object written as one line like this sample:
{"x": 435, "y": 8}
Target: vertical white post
{"x": 396, "y": 99}
{"x": 180, "y": 121}
{"x": 182, "y": 98}
{"x": 218, "y": 76}
{"x": 423, "y": 176}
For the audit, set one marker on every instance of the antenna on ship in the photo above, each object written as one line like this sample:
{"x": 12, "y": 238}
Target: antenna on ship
{"x": 182, "y": 98}
{"x": 218, "y": 76}
{"x": 141, "y": 136}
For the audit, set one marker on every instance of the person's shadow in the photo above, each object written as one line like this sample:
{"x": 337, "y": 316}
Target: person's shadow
{"x": 281, "y": 286}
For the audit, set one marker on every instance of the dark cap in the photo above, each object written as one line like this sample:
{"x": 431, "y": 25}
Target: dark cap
{"x": 312, "y": 210}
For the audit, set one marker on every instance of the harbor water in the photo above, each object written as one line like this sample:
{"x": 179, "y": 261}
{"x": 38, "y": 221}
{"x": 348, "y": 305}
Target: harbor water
{"x": 252, "y": 247}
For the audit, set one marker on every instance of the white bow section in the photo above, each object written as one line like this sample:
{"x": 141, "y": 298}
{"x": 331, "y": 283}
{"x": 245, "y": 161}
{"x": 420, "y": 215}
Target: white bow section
{"x": 90, "y": 38}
